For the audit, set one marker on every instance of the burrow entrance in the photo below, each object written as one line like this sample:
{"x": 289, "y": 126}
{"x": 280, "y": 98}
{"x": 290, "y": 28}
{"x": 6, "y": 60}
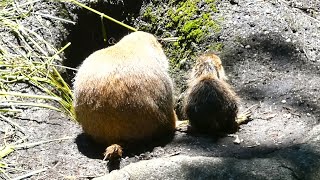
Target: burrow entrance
{"x": 86, "y": 36}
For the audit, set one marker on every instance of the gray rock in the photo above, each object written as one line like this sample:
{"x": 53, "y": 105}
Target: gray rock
{"x": 199, "y": 167}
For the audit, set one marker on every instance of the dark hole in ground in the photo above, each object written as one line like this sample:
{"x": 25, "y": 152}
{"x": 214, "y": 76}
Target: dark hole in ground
{"x": 86, "y": 36}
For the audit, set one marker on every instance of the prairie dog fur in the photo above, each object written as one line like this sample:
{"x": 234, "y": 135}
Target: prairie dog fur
{"x": 208, "y": 64}
{"x": 210, "y": 103}
{"x": 123, "y": 93}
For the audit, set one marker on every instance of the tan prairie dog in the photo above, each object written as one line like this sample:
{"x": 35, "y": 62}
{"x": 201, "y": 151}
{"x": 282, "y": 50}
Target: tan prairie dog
{"x": 210, "y": 103}
{"x": 123, "y": 93}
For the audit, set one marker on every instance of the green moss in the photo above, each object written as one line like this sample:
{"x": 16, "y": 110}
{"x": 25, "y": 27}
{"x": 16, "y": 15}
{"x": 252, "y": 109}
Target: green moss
{"x": 182, "y": 19}
{"x": 148, "y": 14}
{"x": 190, "y": 25}
{"x": 216, "y": 46}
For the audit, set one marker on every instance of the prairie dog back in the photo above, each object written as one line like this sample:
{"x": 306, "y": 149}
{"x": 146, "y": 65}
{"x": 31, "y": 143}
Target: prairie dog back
{"x": 123, "y": 93}
{"x": 210, "y": 103}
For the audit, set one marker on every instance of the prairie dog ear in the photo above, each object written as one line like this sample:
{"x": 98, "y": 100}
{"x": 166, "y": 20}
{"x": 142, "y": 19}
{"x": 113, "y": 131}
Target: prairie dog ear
{"x": 221, "y": 73}
{"x": 209, "y": 64}
{"x": 218, "y": 65}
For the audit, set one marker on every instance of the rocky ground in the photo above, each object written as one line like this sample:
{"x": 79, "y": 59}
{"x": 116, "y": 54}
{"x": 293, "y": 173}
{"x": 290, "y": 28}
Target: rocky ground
{"x": 272, "y": 57}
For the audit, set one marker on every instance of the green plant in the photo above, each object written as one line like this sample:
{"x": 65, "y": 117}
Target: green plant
{"x": 185, "y": 20}
{"x": 30, "y": 63}
{"x": 33, "y": 64}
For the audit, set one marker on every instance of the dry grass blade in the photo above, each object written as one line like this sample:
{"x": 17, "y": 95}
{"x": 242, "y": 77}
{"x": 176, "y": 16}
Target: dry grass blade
{"x": 30, "y": 174}
{"x": 43, "y": 76}
{"x": 30, "y": 145}
{"x": 3, "y": 166}
{"x": 4, "y": 151}
{"x": 102, "y": 14}
{"x": 11, "y": 123}
{"x": 30, "y": 95}
{"x": 9, "y": 148}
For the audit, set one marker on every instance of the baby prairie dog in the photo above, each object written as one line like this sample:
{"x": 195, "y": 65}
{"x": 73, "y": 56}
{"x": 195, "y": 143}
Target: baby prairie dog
{"x": 210, "y": 103}
{"x": 123, "y": 93}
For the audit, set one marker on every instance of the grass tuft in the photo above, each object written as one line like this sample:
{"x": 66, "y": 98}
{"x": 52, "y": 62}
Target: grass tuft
{"x": 27, "y": 57}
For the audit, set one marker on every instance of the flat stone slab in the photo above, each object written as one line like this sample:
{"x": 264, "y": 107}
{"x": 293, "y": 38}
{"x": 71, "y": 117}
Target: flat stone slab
{"x": 297, "y": 162}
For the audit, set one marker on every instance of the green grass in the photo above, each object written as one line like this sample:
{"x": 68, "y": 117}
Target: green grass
{"x": 36, "y": 62}
{"x": 33, "y": 63}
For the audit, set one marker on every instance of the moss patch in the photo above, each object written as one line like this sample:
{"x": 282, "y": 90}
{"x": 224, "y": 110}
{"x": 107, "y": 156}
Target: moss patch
{"x": 192, "y": 22}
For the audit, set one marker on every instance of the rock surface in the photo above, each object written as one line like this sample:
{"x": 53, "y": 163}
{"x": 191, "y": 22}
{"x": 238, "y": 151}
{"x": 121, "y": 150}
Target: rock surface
{"x": 271, "y": 54}
{"x": 297, "y": 162}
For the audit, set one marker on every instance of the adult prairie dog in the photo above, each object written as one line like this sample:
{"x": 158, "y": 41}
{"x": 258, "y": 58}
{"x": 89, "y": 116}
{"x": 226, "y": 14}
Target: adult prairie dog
{"x": 123, "y": 93}
{"x": 210, "y": 103}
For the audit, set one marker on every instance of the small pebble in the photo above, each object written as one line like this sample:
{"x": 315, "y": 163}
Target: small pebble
{"x": 287, "y": 115}
{"x": 237, "y": 140}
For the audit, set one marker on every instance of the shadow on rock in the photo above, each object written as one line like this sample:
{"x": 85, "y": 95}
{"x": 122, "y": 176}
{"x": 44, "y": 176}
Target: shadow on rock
{"x": 202, "y": 145}
{"x": 274, "y": 69}
{"x": 302, "y": 160}
{"x": 301, "y": 163}
{"x": 291, "y": 164}
{"x": 88, "y": 147}
{"x": 296, "y": 162}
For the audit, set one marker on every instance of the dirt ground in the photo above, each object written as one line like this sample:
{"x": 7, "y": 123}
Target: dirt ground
{"x": 271, "y": 55}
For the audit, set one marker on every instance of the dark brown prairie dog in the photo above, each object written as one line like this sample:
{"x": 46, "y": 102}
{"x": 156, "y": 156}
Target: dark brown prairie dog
{"x": 210, "y": 103}
{"x": 123, "y": 93}
{"x": 206, "y": 64}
